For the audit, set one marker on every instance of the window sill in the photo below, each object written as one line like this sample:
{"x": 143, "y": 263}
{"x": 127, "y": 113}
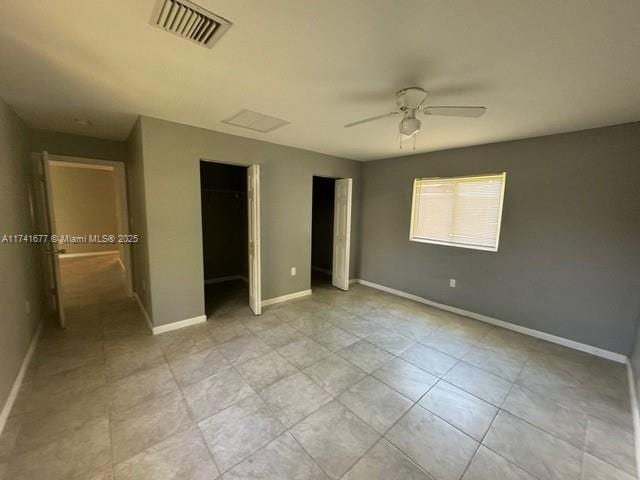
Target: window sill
{"x": 452, "y": 244}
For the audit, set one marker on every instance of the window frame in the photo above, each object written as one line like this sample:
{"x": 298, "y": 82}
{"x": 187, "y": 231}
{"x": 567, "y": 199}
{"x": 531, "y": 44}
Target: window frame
{"x": 418, "y": 239}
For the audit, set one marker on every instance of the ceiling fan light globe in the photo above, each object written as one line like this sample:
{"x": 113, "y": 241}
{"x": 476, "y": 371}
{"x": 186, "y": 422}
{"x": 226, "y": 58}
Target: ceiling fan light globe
{"x": 409, "y": 126}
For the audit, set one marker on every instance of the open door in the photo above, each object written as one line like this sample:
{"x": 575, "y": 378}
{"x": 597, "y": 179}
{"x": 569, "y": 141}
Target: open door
{"x": 50, "y": 249}
{"x": 253, "y": 204}
{"x": 342, "y": 234}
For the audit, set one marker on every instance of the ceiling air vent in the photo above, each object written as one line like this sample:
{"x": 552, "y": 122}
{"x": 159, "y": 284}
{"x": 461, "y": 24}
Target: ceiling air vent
{"x": 255, "y": 121}
{"x": 189, "y": 21}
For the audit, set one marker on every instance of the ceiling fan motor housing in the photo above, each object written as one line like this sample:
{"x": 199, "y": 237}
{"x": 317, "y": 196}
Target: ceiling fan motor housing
{"x": 411, "y": 98}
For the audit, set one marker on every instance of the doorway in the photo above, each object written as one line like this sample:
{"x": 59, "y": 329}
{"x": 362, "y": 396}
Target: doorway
{"x": 322, "y": 211}
{"x": 225, "y": 236}
{"x": 83, "y": 203}
{"x": 330, "y": 232}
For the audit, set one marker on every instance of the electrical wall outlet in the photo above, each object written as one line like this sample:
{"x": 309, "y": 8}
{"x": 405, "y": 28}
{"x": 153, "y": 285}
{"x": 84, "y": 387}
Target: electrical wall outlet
{"x": 452, "y": 282}
{"x": 293, "y": 271}
{"x": 27, "y": 307}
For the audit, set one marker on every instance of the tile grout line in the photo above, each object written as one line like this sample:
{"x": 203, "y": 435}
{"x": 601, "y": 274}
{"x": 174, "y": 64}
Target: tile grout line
{"x": 286, "y": 428}
{"x": 499, "y": 408}
{"x": 305, "y": 450}
{"x": 104, "y": 361}
{"x": 182, "y": 398}
{"x": 198, "y": 422}
{"x": 481, "y": 442}
{"x": 367, "y": 374}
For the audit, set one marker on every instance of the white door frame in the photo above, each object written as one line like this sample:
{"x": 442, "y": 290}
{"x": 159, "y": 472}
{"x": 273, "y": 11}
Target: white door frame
{"x": 49, "y": 250}
{"x": 119, "y": 170}
{"x": 335, "y": 240}
{"x": 342, "y": 233}
{"x": 255, "y": 259}
{"x": 256, "y": 303}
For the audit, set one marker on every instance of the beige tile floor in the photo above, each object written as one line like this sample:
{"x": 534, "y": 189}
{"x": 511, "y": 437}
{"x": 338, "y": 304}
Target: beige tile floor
{"x": 359, "y": 385}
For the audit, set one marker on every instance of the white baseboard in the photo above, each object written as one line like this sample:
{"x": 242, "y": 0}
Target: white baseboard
{"x": 636, "y": 413}
{"x": 88, "y": 254}
{"x": 179, "y": 324}
{"x": 228, "y": 278}
{"x": 284, "y": 298}
{"x": 169, "y": 326}
{"x": 17, "y": 383}
{"x": 599, "y": 352}
{"x": 144, "y": 311}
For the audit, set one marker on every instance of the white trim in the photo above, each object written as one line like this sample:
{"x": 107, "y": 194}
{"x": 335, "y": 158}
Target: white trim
{"x": 254, "y": 253}
{"x": 228, "y": 278}
{"x": 635, "y": 412}
{"x": 342, "y": 221}
{"x": 55, "y": 157}
{"x": 169, "y": 326}
{"x": 599, "y": 352}
{"x": 453, "y": 244}
{"x": 144, "y": 311}
{"x": 284, "y": 298}
{"x": 90, "y": 166}
{"x": 89, "y": 254}
{"x": 17, "y": 383}
{"x": 179, "y": 324}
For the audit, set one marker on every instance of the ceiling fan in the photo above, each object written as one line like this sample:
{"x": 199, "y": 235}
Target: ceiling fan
{"x": 411, "y": 101}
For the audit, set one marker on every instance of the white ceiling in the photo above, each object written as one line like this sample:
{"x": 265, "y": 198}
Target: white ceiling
{"x": 539, "y": 66}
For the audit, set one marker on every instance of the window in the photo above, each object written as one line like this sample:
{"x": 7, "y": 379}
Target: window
{"x": 459, "y": 211}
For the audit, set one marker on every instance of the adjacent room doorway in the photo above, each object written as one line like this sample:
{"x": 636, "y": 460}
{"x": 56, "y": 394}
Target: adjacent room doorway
{"x": 83, "y": 203}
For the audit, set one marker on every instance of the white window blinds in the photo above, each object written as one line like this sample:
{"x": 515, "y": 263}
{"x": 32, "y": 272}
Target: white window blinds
{"x": 460, "y": 211}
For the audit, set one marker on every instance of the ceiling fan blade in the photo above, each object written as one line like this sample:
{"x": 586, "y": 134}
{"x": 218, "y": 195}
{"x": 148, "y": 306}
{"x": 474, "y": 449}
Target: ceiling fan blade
{"x": 371, "y": 119}
{"x": 455, "y": 111}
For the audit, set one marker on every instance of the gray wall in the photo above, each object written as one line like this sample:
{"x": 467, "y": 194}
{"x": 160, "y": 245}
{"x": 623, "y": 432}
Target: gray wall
{"x": 85, "y": 204}
{"x": 20, "y": 272}
{"x": 77, "y": 145}
{"x": 570, "y": 245}
{"x": 171, "y": 155}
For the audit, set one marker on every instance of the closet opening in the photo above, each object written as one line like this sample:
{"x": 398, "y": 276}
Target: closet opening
{"x": 322, "y": 212}
{"x": 225, "y": 236}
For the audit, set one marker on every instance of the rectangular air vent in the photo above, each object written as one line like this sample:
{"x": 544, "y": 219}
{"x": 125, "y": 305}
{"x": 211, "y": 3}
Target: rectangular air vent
{"x": 255, "y": 121}
{"x": 189, "y": 21}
